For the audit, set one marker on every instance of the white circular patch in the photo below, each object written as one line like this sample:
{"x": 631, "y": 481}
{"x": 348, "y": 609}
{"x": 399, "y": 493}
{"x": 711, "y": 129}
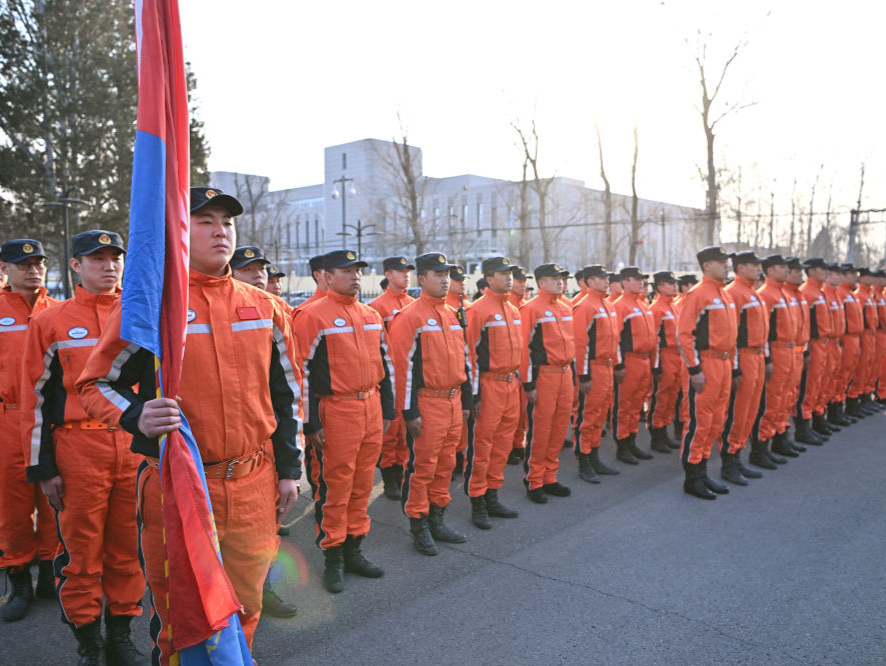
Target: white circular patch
{"x": 395, "y": 311}
{"x": 603, "y": 310}
{"x": 781, "y": 300}
{"x": 78, "y": 332}
{"x": 753, "y": 298}
{"x": 338, "y": 321}
{"x": 7, "y": 321}
{"x": 717, "y": 301}
{"x": 636, "y": 309}
{"x": 432, "y": 322}
{"x": 191, "y": 315}
{"x": 498, "y": 317}
{"x": 548, "y": 313}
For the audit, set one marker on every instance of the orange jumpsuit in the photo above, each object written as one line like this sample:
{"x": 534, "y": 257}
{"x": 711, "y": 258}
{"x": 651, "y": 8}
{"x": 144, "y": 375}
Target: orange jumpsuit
{"x": 99, "y": 536}
{"x": 520, "y": 433}
{"x": 864, "y": 378}
{"x": 20, "y": 542}
{"x": 831, "y": 392}
{"x": 432, "y": 371}
{"x": 880, "y": 365}
{"x": 801, "y": 317}
{"x": 495, "y": 342}
{"x": 784, "y": 329}
{"x": 639, "y": 352}
{"x": 316, "y": 296}
{"x": 348, "y": 392}
{"x": 708, "y": 333}
{"x": 239, "y": 392}
{"x": 595, "y": 333}
{"x": 667, "y": 374}
{"x": 854, "y": 317}
{"x": 311, "y": 466}
{"x": 393, "y": 450}
{"x": 457, "y": 302}
{"x": 749, "y": 363}
{"x": 547, "y": 367}
{"x": 812, "y": 385}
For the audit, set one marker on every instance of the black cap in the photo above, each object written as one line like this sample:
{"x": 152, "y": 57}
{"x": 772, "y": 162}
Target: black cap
{"x": 774, "y": 260}
{"x": 879, "y": 273}
{"x": 397, "y": 264}
{"x": 482, "y": 283}
{"x": 520, "y": 273}
{"x": 712, "y": 253}
{"x": 433, "y": 261}
{"x": 747, "y": 257}
{"x": 834, "y": 266}
{"x": 201, "y": 196}
{"x": 273, "y": 272}
{"x": 342, "y": 259}
{"x": 496, "y": 265}
{"x": 632, "y": 272}
{"x": 550, "y": 270}
{"x": 597, "y": 270}
{"x": 16, "y": 251}
{"x": 316, "y": 262}
{"x": 457, "y": 273}
{"x": 847, "y": 267}
{"x": 689, "y": 278}
{"x": 864, "y": 271}
{"x": 815, "y": 262}
{"x": 614, "y": 277}
{"x": 92, "y": 241}
{"x": 246, "y": 255}
{"x": 664, "y": 276}
{"x": 794, "y": 263}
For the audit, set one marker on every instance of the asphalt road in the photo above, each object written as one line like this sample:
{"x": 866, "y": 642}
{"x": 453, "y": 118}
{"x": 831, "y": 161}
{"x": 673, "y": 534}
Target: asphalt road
{"x": 788, "y": 570}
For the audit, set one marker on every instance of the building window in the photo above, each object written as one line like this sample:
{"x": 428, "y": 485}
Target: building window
{"x": 480, "y": 217}
{"x": 344, "y": 161}
{"x": 317, "y": 233}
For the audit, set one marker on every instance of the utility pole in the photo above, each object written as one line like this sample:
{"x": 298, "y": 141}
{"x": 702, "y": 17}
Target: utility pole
{"x": 344, "y": 194}
{"x": 63, "y": 202}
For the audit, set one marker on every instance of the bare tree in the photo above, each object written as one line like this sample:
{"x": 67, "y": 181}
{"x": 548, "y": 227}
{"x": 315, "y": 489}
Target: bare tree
{"x": 607, "y": 204}
{"x": 710, "y": 119}
{"x": 811, "y": 209}
{"x": 252, "y": 191}
{"x": 635, "y": 222}
{"x": 540, "y": 186}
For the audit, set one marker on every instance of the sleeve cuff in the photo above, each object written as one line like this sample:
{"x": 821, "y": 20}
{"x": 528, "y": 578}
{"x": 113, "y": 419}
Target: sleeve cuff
{"x": 129, "y": 419}
{"x": 736, "y": 373}
{"x": 528, "y": 386}
{"x": 37, "y": 473}
{"x": 620, "y": 366}
{"x": 410, "y": 414}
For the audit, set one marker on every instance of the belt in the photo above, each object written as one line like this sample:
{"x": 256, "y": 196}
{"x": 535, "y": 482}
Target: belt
{"x": 853, "y": 334}
{"x": 496, "y": 377}
{"x": 7, "y": 405}
{"x": 559, "y": 369}
{"x": 798, "y": 348}
{"x": 710, "y": 353}
{"x": 603, "y": 361}
{"x": 822, "y": 341}
{"x": 363, "y": 394}
{"x": 755, "y": 351}
{"x": 786, "y": 345}
{"x": 671, "y": 350}
{"x": 89, "y": 424}
{"x": 439, "y": 393}
{"x": 870, "y": 331}
{"x": 646, "y": 355}
{"x": 234, "y": 468}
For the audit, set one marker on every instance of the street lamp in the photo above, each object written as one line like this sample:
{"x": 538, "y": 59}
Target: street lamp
{"x": 359, "y": 232}
{"x": 346, "y": 191}
{"x": 63, "y": 202}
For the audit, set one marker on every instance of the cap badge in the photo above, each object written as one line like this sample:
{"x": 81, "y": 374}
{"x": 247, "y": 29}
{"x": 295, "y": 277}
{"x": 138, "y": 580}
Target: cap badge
{"x": 27, "y": 248}
{"x": 249, "y": 254}
{"x": 459, "y": 271}
{"x": 104, "y": 239}
{"x": 440, "y": 259}
{"x": 351, "y": 256}
{"x": 557, "y": 268}
{"x": 505, "y": 261}
{"x": 403, "y": 260}
{"x": 272, "y": 269}
{"x": 210, "y": 193}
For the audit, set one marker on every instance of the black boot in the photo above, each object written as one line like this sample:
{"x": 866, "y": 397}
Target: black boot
{"x": 868, "y": 404}
{"x": 693, "y": 485}
{"x": 45, "y": 580}
{"x": 678, "y": 433}
{"x": 479, "y": 514}
{"x": 537, "y": 495}
{"x": 672, "y": 443}
{"x": 388, "y": 477}
{"x": 841, "y": 406}
{"x": 459, "y": 465}
{"x": 805, "y": 434}
{"x": 718, "y": 488}
{"x": 272, "y": 604}
{"x": 515, "y": 456}
{"x": 760, "y": 455}
{"x": 836, "y": 417}
{"x": 822, "y": 427}
{"x": 90, "y": 647}
{"x": 745, "y": 472}
{"x": 334, "y": 571}
{"x": 853, "y": 409}
{"x": 421, "y": 536}
{"x": 355, "y": 562}
{"x": 495, "y": 508}
{"x": 636, "y": 451}
{"x": 623, "y": 452}
{"x": 22, "y": 595}
{"x": 119, "y": 648}
{"x": 283, "y": 531}
{"x": 659, "y": 440}
{"x": 781, "y": 446}
{"x": 557, "y": 489}
{"x": 586, "y": 471}
{"x": 729, "y": 471}
{"x": 398, "y": 476}
{"x": 598, "y": 465}
{"x": 439, "y": 530}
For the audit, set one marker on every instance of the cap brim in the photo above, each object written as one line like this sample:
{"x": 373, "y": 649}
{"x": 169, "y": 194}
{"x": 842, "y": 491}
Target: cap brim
{"x": 102, "y": 247}
{"x": 348, "y": 264}
{"x": 671, "y": 280}
{"x": 27, "y": 256}
{"x": 246, "y": 262}
{"x": 226, "y": 201}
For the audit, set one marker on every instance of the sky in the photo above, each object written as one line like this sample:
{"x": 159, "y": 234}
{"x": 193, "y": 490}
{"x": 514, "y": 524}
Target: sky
{"x": 280, "y": 81}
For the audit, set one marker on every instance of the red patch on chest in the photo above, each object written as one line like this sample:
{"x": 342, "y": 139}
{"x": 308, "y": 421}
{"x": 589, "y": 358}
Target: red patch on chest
{"x": 369, "y": 320}
{"x": 247, "y": 312}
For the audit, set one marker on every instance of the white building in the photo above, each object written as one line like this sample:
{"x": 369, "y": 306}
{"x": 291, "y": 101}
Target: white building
{"x": 373, "y": 187}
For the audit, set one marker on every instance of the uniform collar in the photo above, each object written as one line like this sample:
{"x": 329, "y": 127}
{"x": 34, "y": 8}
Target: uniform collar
{"x": 336, "y": 297}
{"x": 196, "y": 278}
{"x": 89, "y": 299}
{"x": 814, "y": 283}
{"x": 501, "y": 298}
{"x": 547, "y": 296}
{"x": 774, "y": 283}
{"x": 395, "y": 294}
{"x": 42, "y": 294}
{"x": 744, "y": 281}
{"x": 705, "y": 279}
{"x": 430, "y": 299}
